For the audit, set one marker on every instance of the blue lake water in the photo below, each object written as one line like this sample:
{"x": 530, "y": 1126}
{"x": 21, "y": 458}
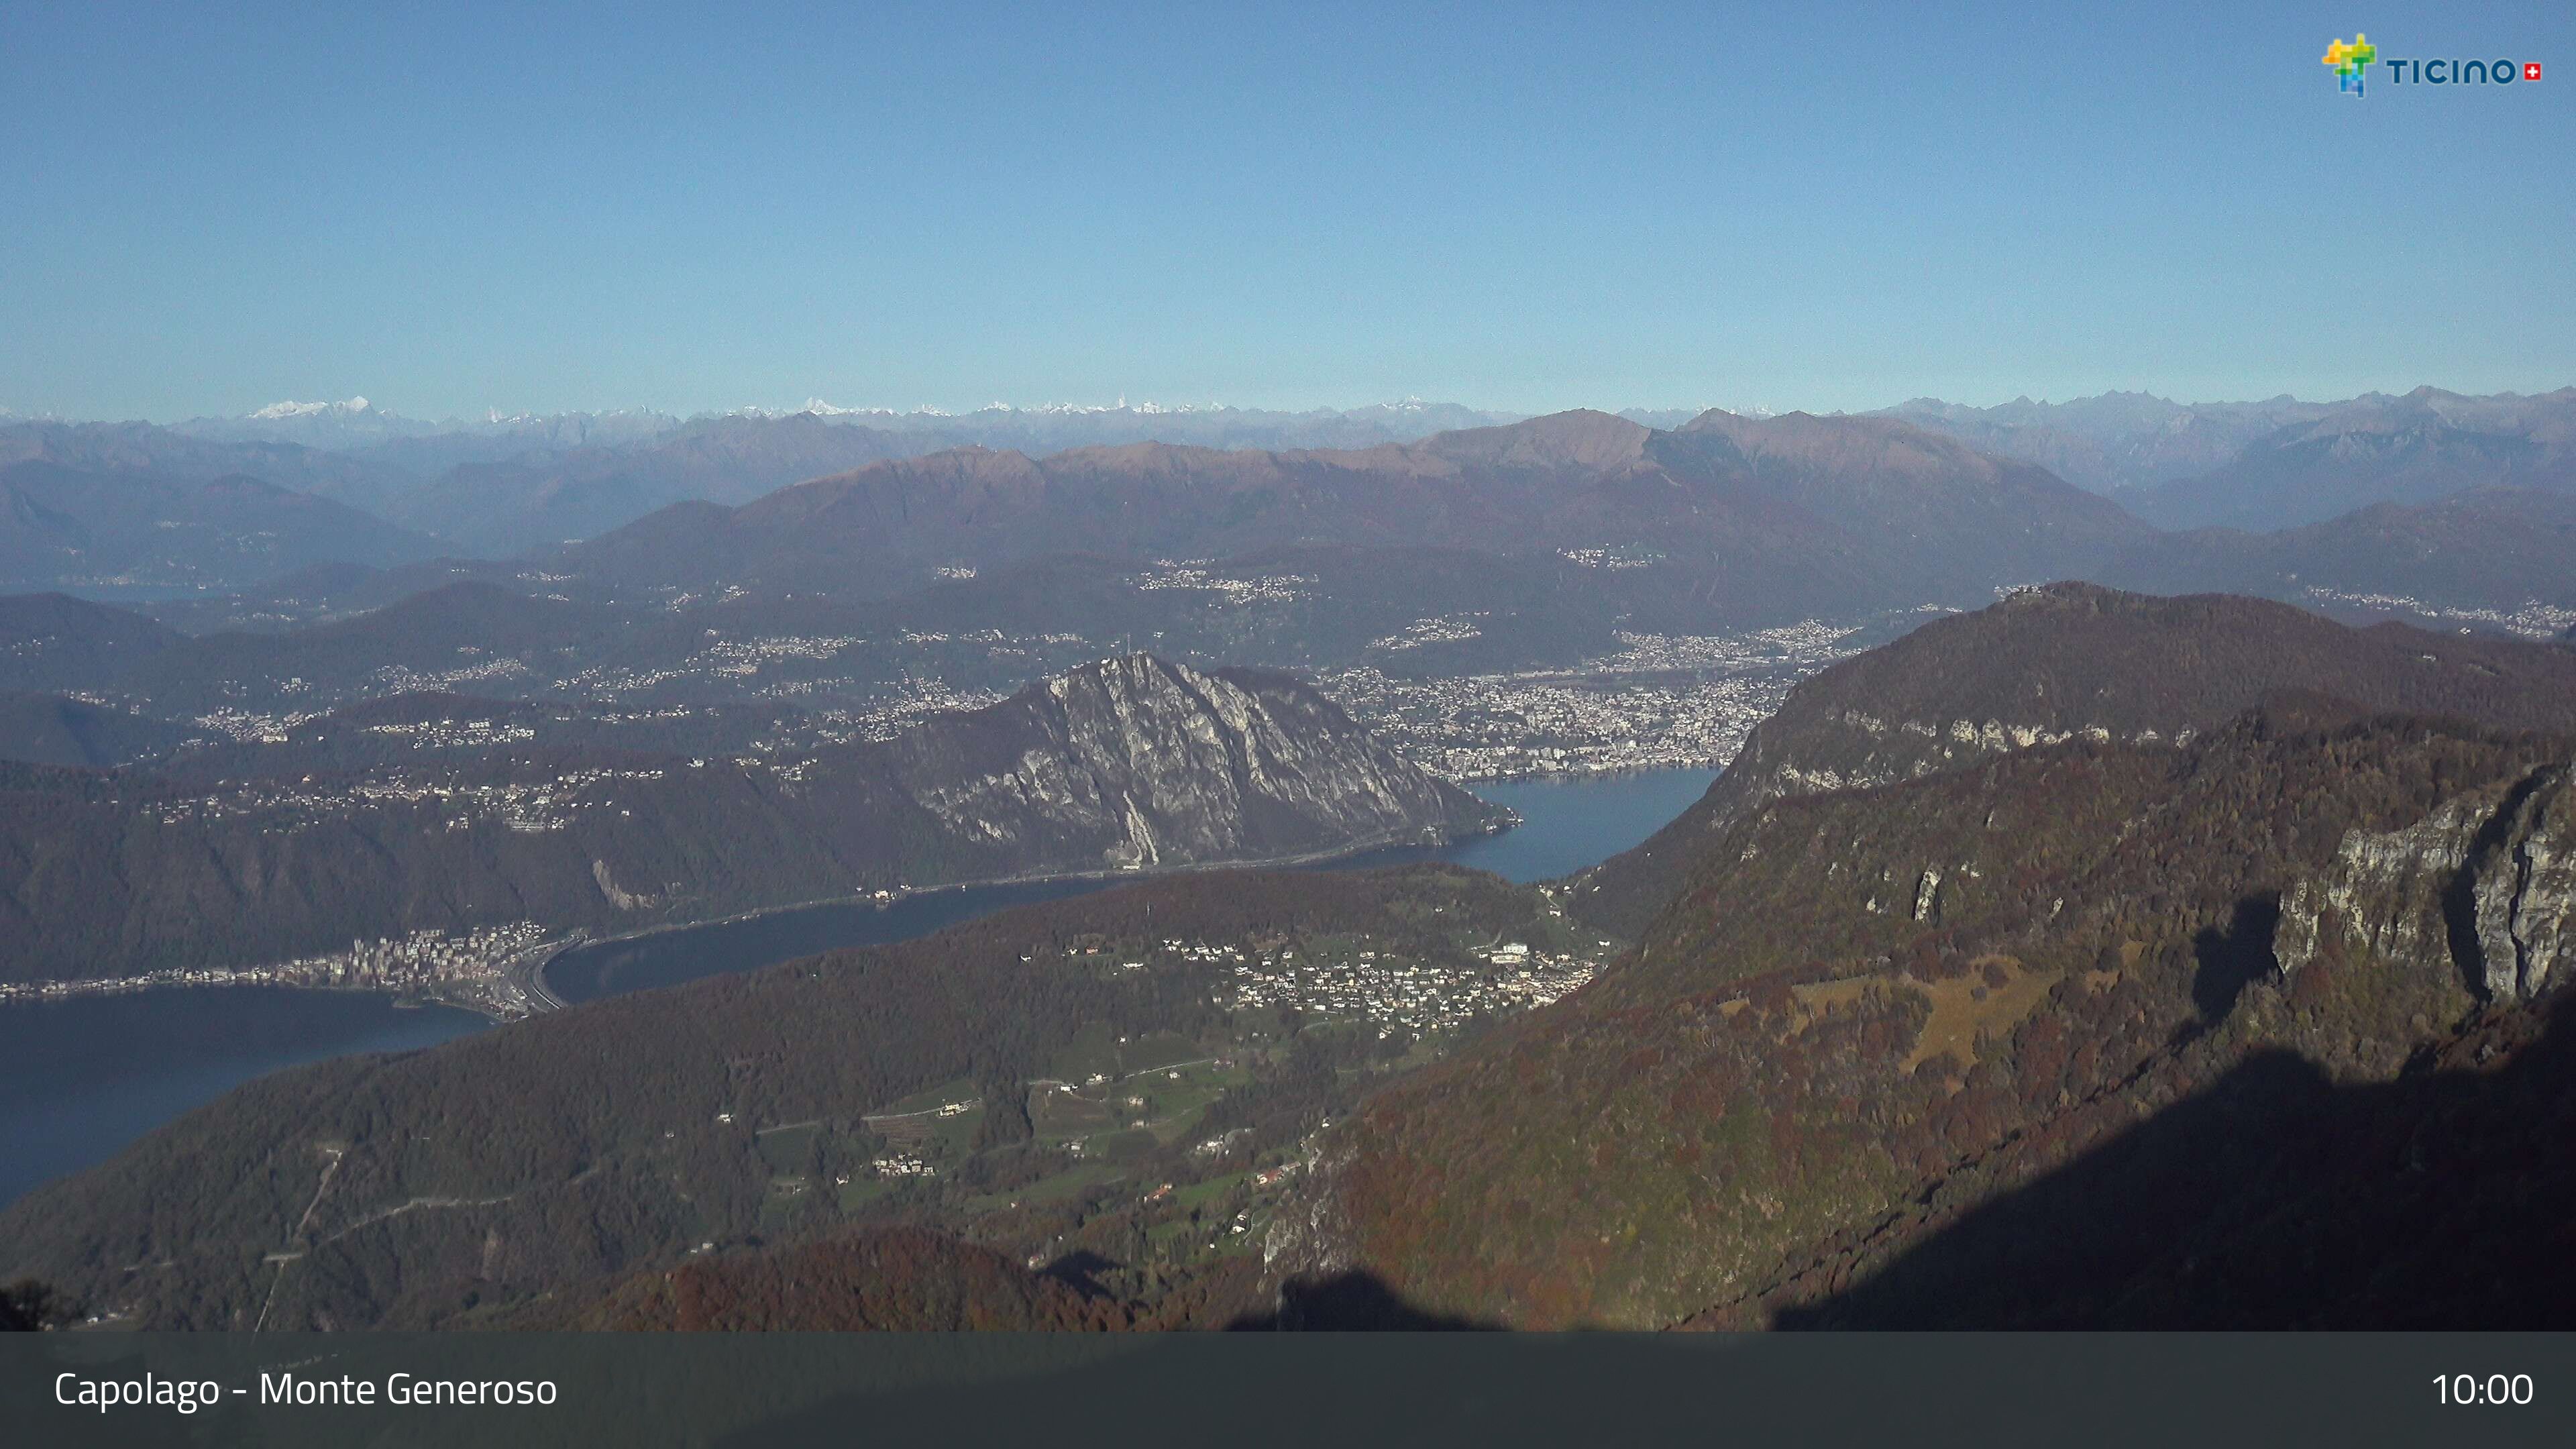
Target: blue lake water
{"x": 81, "y": 1078}
{"x": 1566, "y": 825}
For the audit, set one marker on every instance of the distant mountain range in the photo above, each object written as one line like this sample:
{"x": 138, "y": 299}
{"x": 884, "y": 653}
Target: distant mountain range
{"x": 540, "y": 499}
{"x": 2280, "y": 463}
{"x": 502, "y": 485}
{"x": 67, "y": 527}
{"x": 2117, "y": 441}
{"x": 1725, "y": 518}
{"x": 2416, "y": 450}
{"x": 524, "y": 486}
{"x": 1723, "y": 522}
{"x": 358, "y": 425}
{"x": 142, "y": 451}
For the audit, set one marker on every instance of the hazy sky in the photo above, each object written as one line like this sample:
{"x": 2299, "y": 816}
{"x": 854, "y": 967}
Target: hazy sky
{"x": 450, "y": 208}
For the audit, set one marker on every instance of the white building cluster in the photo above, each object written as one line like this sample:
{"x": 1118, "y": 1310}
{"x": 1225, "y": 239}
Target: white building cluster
{"x": 1662, "y": 702}
{"x": 489, "y": 969}
{"x": 1396, "y": 992}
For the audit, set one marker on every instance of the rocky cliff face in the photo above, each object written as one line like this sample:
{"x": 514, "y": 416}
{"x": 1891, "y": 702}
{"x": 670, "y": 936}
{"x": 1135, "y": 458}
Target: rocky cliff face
{"x": 1139, "y": 762}
{"x": 2486, "y": 885}
{"x": 2525, "y": 890}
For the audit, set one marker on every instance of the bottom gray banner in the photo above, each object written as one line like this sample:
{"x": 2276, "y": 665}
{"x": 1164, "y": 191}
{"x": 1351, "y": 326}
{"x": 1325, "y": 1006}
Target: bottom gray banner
{"x": 794, "y": 1389}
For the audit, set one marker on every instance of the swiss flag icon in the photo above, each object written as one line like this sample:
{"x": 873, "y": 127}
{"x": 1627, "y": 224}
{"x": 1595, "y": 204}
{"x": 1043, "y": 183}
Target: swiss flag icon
{"x": 2531, "y": 70}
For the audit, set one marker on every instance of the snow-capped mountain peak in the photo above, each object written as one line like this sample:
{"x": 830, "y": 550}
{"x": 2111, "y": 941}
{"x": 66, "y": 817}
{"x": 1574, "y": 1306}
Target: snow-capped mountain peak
{"x": 275, "y": 411}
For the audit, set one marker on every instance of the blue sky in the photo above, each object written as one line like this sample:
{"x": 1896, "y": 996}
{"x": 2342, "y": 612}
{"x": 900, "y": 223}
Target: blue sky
{"x": 449, "y": 208}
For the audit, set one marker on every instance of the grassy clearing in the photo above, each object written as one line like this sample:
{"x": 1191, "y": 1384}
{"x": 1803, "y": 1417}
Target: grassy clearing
{"x": 1967, "y": 1006}
{"x": 1172, "y": 1107}
{"x": 1160, "y": 1050}
{"x": 787, "y": 1150}
{"x": 1062, "y": 1116}
{"x": 1072, "y": 1182}
{"x": 863, "y": 1191}
{"x": 1961, "y": 1008}
{"x": 1199, "y": 1193}
{"x": 958, "y": 1089}
{"x": 1093, "y": 1051}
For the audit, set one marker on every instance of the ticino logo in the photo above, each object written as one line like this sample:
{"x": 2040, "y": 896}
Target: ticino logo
{"x": 2351, "y": 63}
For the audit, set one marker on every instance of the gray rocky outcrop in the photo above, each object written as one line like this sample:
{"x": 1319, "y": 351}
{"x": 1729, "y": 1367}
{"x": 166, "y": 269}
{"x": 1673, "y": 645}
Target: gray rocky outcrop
{"x": 2485, "y": 885}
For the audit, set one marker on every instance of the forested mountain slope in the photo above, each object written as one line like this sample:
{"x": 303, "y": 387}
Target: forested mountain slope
{"x": 1861, "y": 994}
{"x": 2066, "y": 660}
{"x": 562, "y": 1154}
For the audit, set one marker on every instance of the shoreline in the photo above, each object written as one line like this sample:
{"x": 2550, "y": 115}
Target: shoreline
{"x": 542, "y": 997}
{"x": 529, "y": 979}
{"x": 888, "y": 899}
{"x": 1612, "y": 772}
{"x": 406, "y": 998}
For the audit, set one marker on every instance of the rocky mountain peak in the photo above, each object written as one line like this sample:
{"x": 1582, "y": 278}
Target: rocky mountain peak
{"x": 1144, "y": 762}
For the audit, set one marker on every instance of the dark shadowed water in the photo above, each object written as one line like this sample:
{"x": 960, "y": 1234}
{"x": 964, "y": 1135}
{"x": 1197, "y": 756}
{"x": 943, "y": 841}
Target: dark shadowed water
{"x": 667, "y": 958}
{"x": 81, "y": 1078}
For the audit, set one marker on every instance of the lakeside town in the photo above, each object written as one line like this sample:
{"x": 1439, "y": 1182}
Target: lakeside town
{"x": 494, "y": 971}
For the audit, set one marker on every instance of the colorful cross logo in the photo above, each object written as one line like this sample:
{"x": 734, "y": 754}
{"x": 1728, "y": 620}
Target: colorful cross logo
{"x": 2350, "y": 62}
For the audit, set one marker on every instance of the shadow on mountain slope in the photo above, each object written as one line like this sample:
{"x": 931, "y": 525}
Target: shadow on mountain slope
{"x": 1357, "y": 1301}
{"x": 2274, "y": 1200}
{"x": 2231, "y": 960}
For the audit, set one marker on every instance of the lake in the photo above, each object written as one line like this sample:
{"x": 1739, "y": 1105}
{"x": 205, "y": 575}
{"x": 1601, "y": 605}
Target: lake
{"x": 1566, "y": 825}
{"x": 80, "y": 1078}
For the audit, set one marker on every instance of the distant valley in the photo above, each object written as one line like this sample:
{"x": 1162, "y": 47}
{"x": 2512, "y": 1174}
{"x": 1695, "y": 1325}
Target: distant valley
{"x": 2169, "y": 919}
